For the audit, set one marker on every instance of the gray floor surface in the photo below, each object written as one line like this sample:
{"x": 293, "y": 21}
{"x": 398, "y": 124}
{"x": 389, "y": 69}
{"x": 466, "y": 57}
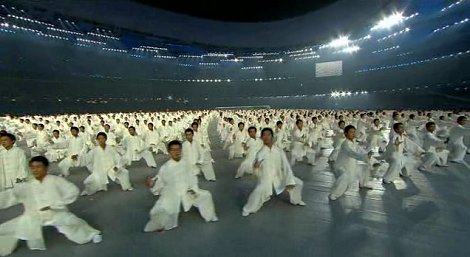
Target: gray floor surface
{"x": 426, "y": 215}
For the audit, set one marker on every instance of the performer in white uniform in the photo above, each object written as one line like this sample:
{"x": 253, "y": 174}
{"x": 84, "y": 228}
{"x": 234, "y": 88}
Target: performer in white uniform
{"x": 177, "y": 186}
{"x": 274, "y": 172}
{"x": 347, "y": 165}
{"x": 45, "y": 199}
{"x": 103, "y": 162}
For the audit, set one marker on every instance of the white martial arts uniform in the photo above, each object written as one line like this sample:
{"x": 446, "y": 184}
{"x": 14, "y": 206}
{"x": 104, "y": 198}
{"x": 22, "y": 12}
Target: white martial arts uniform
{"x": 281, "y": 139}
{"x": 400, "y": 164}
{"x": 348, "y": 169}
{"x": 103, "y": 164}
{"x": 136, "y": 150}
{"x": 455, "y": 145}
{"x": 153, "y": 140}
{"x": 76, "y": 146}
{"x": 13, "y": 167}
{"x": 300, "y": 147}
{"x": 57, "y": 150}
{"x": 274, "y": 173}
{"x": 53, "y": 192}
{"x": 253, "y": 146}
{"x": 431, "y": 144}
{"x": 41, "y": 143}
{"x": 193, "y": 154}
{"x": 236, "y": 148}
{"x": 173, "y": 183}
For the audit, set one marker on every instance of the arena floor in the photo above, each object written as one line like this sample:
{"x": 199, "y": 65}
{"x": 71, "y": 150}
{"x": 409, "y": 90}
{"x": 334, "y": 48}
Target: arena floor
{"x": 426, "y": 215}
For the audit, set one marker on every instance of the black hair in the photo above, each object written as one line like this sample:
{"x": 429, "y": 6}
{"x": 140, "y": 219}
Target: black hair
{"x": 40, "y": 159}
{"x": 10, "y": 136}
{"x": 189, "y": 130}
{"x": 396, "y": 125}
{"x": 102, "y": 134}
{"x": 174, "y": 142}
{"x": 267, "y": 129}
{"x": 429, "y": 124}
{"x": 348, "y": 128}
{"x": 250, "y": 128}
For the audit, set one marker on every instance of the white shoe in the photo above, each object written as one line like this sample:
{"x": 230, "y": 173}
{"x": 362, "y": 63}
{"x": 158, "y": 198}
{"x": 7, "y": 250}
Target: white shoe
{"x": 386, "y": 181}
{"x": 458, "y": 161}
{"x": 301, "y": 203}
{"x": 215, "y": 219}
{"x": 244, "y": 213}
{"x": 422, "y": 169}
{"x": 130, "y": 189}
{"x": 332, "y": 198}
{"x": 97, "y": 239}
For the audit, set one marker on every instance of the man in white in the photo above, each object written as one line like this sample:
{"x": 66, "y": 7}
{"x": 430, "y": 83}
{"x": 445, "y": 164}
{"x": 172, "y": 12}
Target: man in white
{"x": 375, "y": 136}
{"x": 45, "y": 199}
{"x": 194, "y": 157}
{"x": 203, "y": 141}
{"x": 394, "y": 154}
{"x": 300, "y": 145}
{"x": 76, "y": 152}
{"x": 111, "y": 136}
{"x": 347, "y": 165}
{"x": 338, "y": 140}
{"x": 152, "y": 139}
{"x": 274, "y": 172}
{"x": 58, "y": 147}
{"x": 103, "y": 162}
{"x": 136, "y": 150}
{"x": 236, "y": 148}
{"x": 435, "y": 149}
{"x": 29, "y": 133}
{"x": 252, "y": 145}
{"x": 280, "y": 137}
{"x": 177, "y": 186}
{"x": 13, "y": 164}
{"x": 456, "y": 145}
{"x": 315, "y": 134}
{"x": 41, "y": 143}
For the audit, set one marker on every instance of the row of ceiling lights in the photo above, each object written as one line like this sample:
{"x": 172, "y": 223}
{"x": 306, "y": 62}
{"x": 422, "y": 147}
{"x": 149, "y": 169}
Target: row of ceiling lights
{"x": 414, "y": 62}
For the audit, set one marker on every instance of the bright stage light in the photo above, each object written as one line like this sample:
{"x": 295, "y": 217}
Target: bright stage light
{"x": 339, "y": 42}
{"x": 335, "y": 94}
{"x": 350, "y": 49}
{"x": 389, "y": 21}
{"x": 343, "y": 93}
